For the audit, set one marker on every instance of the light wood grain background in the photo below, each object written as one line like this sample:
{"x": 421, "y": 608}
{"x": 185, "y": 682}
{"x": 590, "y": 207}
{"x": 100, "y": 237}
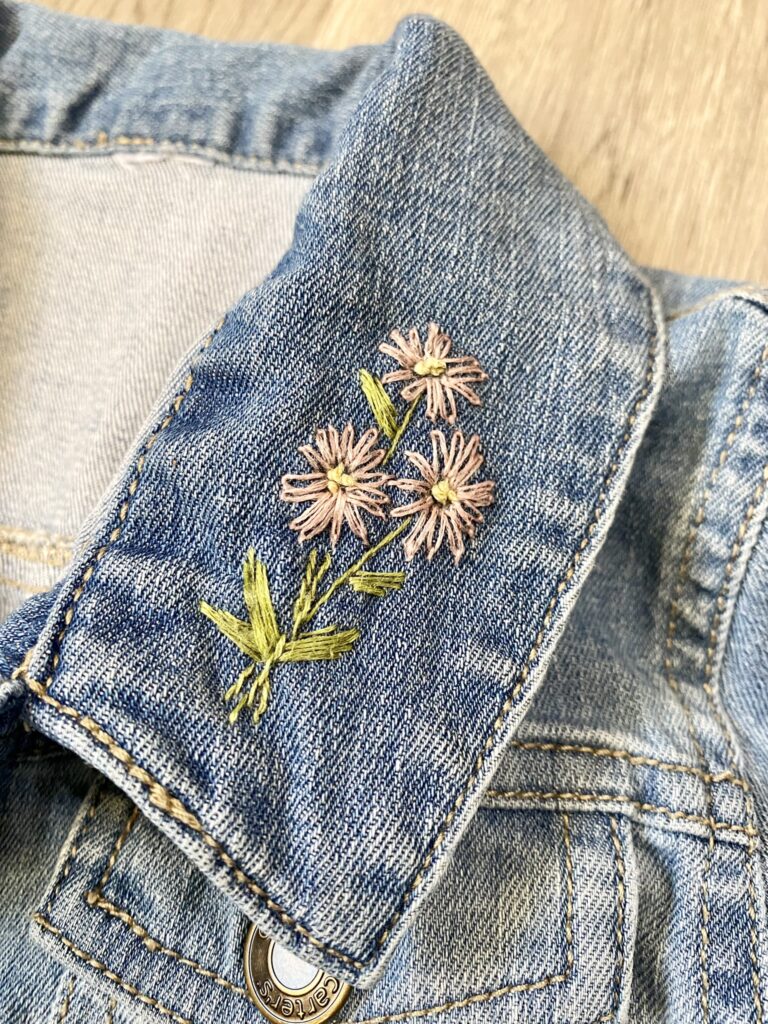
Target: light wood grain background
{"x": 656, "y": 109}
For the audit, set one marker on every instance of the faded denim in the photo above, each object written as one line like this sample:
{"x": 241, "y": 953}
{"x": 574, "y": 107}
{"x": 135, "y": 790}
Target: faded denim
{"x": 536, "y": 790}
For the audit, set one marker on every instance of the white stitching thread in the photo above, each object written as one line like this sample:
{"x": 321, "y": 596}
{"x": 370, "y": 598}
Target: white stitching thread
{"x": 636, "y": 760}
{"x": 618, "y": 798}
{"x": 105, "y": 145}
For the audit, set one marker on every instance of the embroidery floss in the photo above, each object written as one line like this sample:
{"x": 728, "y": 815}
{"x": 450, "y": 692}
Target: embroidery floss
{"x": 429, "y": 370}
{"x": 447, "y": 504}
{"x": 343, "y": 484}
{"x": 261, "y": 639}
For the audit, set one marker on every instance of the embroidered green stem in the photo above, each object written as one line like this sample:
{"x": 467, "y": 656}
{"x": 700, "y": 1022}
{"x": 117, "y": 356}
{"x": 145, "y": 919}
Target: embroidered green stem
{"x": 261, "y": 639}
{"x": 346, "y": 576}
{"x": 399, "y": 433}
{"x": 313, "y": 576}
{"x": 237, "y": 686}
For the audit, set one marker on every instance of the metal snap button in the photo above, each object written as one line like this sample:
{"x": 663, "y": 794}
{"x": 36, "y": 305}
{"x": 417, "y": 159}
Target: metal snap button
{"x": 284, "y": 988}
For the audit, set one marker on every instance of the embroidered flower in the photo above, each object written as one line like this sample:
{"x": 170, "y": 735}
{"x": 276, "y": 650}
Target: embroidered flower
{"x": 428, "y": 370}
{"x": 345, "y": 483}
{"x": 447, "y": 504}
{"x": 342, "y": 486}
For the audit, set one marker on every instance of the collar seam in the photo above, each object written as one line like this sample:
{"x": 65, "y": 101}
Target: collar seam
{"x": 103, "y": 145}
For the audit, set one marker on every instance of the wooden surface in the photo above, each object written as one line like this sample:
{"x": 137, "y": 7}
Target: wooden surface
{"x": 656, "y": 109}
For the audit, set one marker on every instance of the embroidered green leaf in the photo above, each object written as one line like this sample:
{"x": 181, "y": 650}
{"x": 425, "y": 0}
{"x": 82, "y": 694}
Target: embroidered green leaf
{"x": 234, "y": 629}
{"x": 321, "y": 645}
{"x": 258, "y": 601}
{"x": 382, "y": 406}
{"x": 379, "y": 584}
{"x": 266, "y": 646}
{"x": 237, "y": 686}
{"x": 313, "y": 576}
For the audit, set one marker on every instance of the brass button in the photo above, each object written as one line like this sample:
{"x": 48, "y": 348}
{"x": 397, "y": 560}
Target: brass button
{"x": 284, "y": 988}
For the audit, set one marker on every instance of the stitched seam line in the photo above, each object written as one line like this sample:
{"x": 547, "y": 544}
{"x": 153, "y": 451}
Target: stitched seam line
{"x": 154, "y": 946}
{"x": 104, "y": 144}
{"x": 110, "y": 1014}
{"x": 66, "y": 1002}
{"x": 99, "y": 966}
{"x": 115, "y": 851}
{"x": 705, "y": 918}
{"x": 95, "y": 898}
{"x": 700, "y": 514}
{"x": 621, "y": 897}
{"x": 87, "y": 957}
{"x": 553, "y": 795}
{"x": 163, "y": 800}
{"x": 752, "y": 914}
{"x": 621, "y": 902}
{"x": 674, "y": 612}
{"x": 85, "y": 824}
{"x": 497, "y": 993}
{"x": 633, "y": 759}
{"x": 687, "y": 556}
{"x": 721, "y": 600}
{"x": 533, "y": 654}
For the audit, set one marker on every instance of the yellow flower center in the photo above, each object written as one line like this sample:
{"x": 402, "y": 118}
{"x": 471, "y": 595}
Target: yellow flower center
{"x": 430, "y": 366}
{"x": 444, "y": 493}
{"x": 338, "y": 478}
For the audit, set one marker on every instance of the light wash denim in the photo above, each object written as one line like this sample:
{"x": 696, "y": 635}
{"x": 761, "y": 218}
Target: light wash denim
{"x": 536, "y": 789}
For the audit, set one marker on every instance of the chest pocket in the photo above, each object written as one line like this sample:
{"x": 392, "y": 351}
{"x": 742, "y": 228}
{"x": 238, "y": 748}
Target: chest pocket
{"x": 531, "y": 922}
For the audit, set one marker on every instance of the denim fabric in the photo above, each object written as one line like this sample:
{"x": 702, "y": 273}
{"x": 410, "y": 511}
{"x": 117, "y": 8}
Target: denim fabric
{"x": 524, "y": 795}
{"x": 161, "y": 274}
{"x": 42, "y": 787}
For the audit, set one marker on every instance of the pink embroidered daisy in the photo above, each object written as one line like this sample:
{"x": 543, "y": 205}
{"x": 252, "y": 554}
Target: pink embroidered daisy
{"x": 447, "y": 504}
{"x": 428, "y": 370}
{"x": 342, "y": 485}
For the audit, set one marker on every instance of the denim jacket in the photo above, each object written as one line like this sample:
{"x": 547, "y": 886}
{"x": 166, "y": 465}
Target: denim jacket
{"x": 475, "y": 735}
